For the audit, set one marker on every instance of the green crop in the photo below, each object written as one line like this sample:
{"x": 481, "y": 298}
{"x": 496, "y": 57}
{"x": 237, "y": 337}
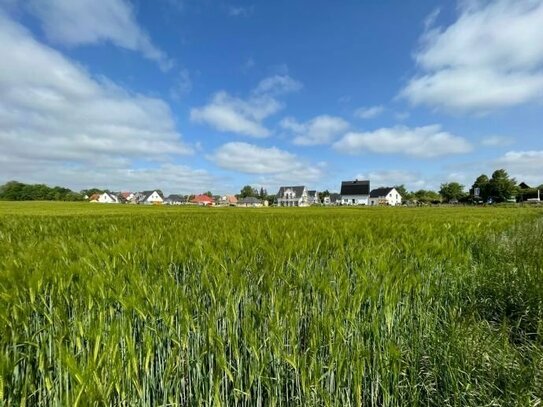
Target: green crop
{"x": 129, "y": 305}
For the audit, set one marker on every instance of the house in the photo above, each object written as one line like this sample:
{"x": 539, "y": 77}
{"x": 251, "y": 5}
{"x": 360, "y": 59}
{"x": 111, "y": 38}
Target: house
{"x": 355, "y": 192}
{"x": 385, "y": 196}
{"x": 293, "y": 196}
{"x": 94, "y": 198}
{"x": 332, "y": 199}
{"x": 523, "y": 185}
{"x": 174, "y": 199}
{"x": 250, "y": 201}
{"x": 150, "y": 197}
{"x": 313, "y": 197}
{"x": 202, "y": 200}
{"x": 127, "y": 196}
{"x": 107, "y": 197}
{"x": 228, "y": 200}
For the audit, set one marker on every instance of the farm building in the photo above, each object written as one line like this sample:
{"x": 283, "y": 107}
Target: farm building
{"x": 355, "y": 192}
{"x": 385, "y": 196}
{"x": 293, "y": 196}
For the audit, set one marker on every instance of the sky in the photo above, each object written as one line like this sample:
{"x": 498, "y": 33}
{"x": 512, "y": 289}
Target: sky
{"x": 196, "y": 95}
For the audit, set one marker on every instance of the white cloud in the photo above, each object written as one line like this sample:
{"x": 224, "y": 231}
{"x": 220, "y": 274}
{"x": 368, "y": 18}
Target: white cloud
{"x": 491, "y": 57}
{"x": 422, "y": 142}
{"x": 275, "y": 166}
{"x": 64, "y": 118}
{"x": 277, "y": 85}
{"x": 227, "y": 113}
{"x": 526, "y": 166}
{"x": 182, "y": 85}
{"x": 497, "y": 141}
{"x": 239, "y": 11}
{"x": 71, "y": 22}
{"x": 319, "y": 130}
{"x": 369, "y": 112}
{"x": 387, "y": 178}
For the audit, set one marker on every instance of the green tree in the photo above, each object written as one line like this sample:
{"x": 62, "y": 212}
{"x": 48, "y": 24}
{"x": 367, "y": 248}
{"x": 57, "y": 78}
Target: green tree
{"x": 426, "y": 196}
{"x": 323, "y": 195}
{"x": 501, "y": 187}
{"x": 452, "y": 191}
{"x": 248, "y": 191}
{"x": 482, "y": 184}
{"x": 209, "y": 194}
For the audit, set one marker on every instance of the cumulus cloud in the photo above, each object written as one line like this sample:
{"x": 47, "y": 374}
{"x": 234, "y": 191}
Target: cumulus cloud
{"x": 387, "y": 178}
{"x": 79, "y": 22}
{"x": 63, "y": 117}
{"x": 369, "y": 112}
{"x": 319, "y": 130}
{"x": 231, "y": 114}
{"x": 275, "y": 166}
{"x": 423, "y": 142}
{"x": 526, "y": 166}
{"x": 491, "y": 57}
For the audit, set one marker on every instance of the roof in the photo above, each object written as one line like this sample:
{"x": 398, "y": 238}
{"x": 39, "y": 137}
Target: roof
{"x": 312, "y": 194}
{"x": 94, "y": 197}
{"x": 298, "y": 190}
{"x": 147, "y": 194}
{"x": 523, "y": 185}
{"x": 202, "y": 198}
{"x": 125, "y": 195}
{"x": 175, "y": 198}
{"x": 380, "y": 192}
{"x": 335, "y": 197}
{"x": 231, "y": 199}
{"x": 356, "y": 187}
{"x": 250, "y": 200}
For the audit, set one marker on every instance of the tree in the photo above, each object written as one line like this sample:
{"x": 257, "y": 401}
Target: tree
{"x": 482, "y": 185}
{"x": 323, "y": 195}
{"x": 501, "y": 187}
{"x": 452, "y": 191}
{"x": 425, "y": 196}
{"x": 402, "y": 190}
{"x": 248, "y": 191}
{"x": 209, "y": 194}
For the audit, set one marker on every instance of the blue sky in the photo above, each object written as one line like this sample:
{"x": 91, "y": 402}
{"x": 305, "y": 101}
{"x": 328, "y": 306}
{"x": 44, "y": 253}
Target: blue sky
{"x": 190, "y": 96}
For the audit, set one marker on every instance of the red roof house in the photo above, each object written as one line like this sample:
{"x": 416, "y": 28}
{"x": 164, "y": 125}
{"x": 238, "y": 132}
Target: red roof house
{"x": 202, "y": 200}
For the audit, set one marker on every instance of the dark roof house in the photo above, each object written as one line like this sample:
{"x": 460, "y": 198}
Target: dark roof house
{"x": 380, "y": 192}
{"x": 298, "y": 190}
{"x": 356, "y": 187}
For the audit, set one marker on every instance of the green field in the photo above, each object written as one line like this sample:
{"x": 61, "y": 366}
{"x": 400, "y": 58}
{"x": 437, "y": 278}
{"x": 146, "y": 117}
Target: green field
{"x": 124, "y": 305}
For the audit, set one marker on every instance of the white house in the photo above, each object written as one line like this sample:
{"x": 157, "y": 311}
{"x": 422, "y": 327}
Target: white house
{"x": 355, "y": 192}
{"x": 106, "y": 197}
{"x": 385, "y": 196}
{"x": 313, "y": 197}
{"x": 151, "y": 198}
{"x": 293, "y": 196}
{"x": 174, "y": 199}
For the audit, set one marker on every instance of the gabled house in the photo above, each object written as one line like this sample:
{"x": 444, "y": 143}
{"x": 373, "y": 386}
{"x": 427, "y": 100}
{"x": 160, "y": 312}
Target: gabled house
{"x": 250, "y": 201}
{"x": 385, "y": 196}
{"x": 313, "y": 197}
{"x": 202, "y": 200}
{"x": 355, "y": 192}
{"x": 228, "y": 200}
{"x": 94, "y": 198}
{"x": 293, "y": 196}
{"x": 150, "y": 198}
{"x": 107, "y": 197}
{"x": 174, "y": 199}
{"x": 332, "y": 199}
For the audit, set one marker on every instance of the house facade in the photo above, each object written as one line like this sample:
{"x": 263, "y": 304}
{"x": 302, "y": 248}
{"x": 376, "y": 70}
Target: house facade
{"x": 293, "y": 196}
{"x": 313, "y": 197}
{"x": 385, "y": 196}
{"x": 174, "y": 199}
{"x": 228, "y": 200}
{"x": 355, "y": 192}
{"x": 150, "y": 198}
{"x": 106, "y": 197}
{"x": 250, "y": 202}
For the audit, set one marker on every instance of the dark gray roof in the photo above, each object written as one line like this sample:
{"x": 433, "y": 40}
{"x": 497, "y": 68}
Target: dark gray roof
{"x": 298, "y": 190}
{"x": 312, "y": 194}
{"x": 379, "y": 192}
{"x": 355, "y": 187}
{"x": 250, "y": 200}
{"x": 335, "y": 197}
{"x": 175, "y": 198}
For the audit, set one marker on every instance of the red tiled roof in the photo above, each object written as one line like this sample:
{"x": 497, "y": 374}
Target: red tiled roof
{"x": 202, "y": 199}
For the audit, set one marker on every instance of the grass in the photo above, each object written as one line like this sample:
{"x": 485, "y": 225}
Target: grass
{"x": 123, "y": 305}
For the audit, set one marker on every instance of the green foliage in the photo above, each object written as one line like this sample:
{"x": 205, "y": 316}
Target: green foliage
{"x": 184, "y": 306}
{"x": 452, "y": 191}
{"x": 248, "y": 191}
{"x": 17, "y": 191}
{"x": 426, "y": 196}
{"x": 501, "y": 187}
{"x": 402, "y": 190}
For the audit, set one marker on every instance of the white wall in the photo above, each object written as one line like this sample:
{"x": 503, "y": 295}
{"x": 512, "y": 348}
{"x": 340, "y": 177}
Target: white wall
{"x": 358, "y": 199}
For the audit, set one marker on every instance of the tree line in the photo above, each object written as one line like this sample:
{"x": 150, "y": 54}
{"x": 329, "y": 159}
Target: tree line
{"x": 17, "y": 191}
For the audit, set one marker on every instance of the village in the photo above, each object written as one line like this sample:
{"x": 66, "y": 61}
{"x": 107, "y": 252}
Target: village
{"x": 356, "y": 192}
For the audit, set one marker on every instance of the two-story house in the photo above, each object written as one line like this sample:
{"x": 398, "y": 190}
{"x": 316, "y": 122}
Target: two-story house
{"x": 355, "y": 192}
{"x": 293, "y": 196}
